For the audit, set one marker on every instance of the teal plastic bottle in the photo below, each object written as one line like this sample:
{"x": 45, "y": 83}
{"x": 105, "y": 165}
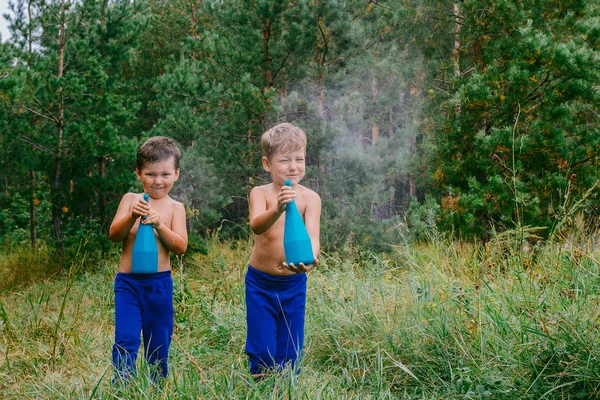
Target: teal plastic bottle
{"x": 145, "y": 251}
{"x": 296, "y": 241}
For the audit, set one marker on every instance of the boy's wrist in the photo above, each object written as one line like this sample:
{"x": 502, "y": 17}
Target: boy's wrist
{"x": 158, "y": 226}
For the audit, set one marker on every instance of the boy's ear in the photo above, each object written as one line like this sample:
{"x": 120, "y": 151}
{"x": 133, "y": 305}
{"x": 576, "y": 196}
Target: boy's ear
{"x": 138, "y": 173}
{"x": 177, "y": 173}
{"x": 266, "y": 164}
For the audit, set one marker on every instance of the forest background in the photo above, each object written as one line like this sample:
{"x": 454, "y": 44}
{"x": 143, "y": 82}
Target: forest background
{"x": 467, "y": 121}
{"x": 470, "y": 116}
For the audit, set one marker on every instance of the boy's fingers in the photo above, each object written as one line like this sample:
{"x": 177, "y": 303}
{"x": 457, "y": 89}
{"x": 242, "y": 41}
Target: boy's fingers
{"x": 307, "y": 268}
{"x": 291, "y": 267}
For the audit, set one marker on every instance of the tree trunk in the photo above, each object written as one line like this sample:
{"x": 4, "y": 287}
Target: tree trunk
{"x": 195, "y": 12}
{"x": 284, "y": 92}
{"x": 374, "y": 126}
{"x": 57, "y": 198}
{"x": 29, "y": 28}
{"x": 321, "y": 53}
{"x": 321, "y": 94}
{"x": 267, "y": 54}
{"x": 320, "y": 86}
{"x": 32, "y": 211}
{"x": 391, "y": 121}
{"x": 32, "y": 183}
{"x": 250, "y": 152}
{"x": 456, "y": 51}
{"x": 267, "y": 70}
{"x": 374, "y": 132}
{"x": 101, "y": 197}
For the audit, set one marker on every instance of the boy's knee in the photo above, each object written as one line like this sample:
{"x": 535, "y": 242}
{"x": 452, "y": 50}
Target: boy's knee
{"x": 127, "y": 341}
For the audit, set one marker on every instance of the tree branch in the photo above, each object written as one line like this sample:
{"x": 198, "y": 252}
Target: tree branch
{"x": 46, "y": 109}
{"x": 280, "y": 67}
{"x": 31, "y": 110}
{"x": 30, "y": 141}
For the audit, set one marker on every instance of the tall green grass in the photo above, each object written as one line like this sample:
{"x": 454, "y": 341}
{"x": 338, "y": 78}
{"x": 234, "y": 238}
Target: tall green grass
{"x": 444, "y": 320}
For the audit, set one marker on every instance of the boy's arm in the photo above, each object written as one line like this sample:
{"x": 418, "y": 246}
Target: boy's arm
{"x": 261, "y": 218}
{"x": 124, "y": 219}
{"x": 174, "y": 238}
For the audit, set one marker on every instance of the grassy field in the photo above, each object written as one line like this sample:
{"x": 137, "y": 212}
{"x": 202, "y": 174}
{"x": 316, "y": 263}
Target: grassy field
{"x": 446, "y": 320}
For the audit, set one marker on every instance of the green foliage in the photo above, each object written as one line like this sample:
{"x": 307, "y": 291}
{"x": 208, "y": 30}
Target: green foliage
{"x": 501, "y": 131}
{"x": 68, "y": 112}
{"x": 518, "y": 135}
{"x": 422, "y": 220}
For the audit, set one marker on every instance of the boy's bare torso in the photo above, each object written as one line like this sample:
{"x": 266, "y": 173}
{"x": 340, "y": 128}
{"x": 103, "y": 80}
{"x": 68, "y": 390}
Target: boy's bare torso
{"x": 268, "y": 254}
{"x": 166, "y": 209}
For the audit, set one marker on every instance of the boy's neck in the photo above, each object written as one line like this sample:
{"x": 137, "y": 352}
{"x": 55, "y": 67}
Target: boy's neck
{"x": 278, "y": 186}
{"x": 158, "y": 198}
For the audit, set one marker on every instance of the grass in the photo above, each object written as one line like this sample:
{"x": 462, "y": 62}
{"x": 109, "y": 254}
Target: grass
{"x": 444, "y": 320}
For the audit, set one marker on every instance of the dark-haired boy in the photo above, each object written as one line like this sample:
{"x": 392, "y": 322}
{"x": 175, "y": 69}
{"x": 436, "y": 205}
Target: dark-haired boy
{"x": 144, "y": 302}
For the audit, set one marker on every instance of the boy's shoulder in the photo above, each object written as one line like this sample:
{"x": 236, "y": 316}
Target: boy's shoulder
{"x": 175, "y": 203}
{"x": 131, "y": 196}
{"x": 262, "y": 189}
{"x": 311, "y": 194}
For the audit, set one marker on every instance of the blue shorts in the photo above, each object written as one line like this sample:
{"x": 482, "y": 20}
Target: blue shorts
{"x": 143, "y": 303}
{"x": 275, "y": 309}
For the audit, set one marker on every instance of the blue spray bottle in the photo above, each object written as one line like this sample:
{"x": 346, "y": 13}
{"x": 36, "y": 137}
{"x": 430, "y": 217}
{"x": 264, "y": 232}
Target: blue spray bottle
{"x": 145, "y": 251}
{"x": 296, "y": 241}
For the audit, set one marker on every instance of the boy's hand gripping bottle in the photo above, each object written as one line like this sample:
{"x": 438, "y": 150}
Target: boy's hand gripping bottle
{"x": 296, "y": 241}
{"x": 145, "y": 251}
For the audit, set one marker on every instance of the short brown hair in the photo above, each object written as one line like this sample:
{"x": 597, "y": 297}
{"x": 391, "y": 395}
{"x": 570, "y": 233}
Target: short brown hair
{"x": 158, "y": 148}
{"x": 282, "y": 137}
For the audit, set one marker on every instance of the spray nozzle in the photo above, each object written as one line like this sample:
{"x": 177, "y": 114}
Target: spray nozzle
{"x": 288, "y": 183}
{"x": 146, "y": 198}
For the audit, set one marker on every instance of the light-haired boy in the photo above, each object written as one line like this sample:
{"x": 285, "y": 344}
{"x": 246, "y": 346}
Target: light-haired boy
{"x": 144, "y": 302}
{"x": 276, "y": 291}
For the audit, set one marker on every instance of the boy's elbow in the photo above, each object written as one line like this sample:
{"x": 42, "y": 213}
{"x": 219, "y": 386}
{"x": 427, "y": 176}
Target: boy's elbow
{"x": 255, "y": 228}
{"x": 114, "y": 237}
{"x": 180, "y": 250}
{"x": 179, "y": 247}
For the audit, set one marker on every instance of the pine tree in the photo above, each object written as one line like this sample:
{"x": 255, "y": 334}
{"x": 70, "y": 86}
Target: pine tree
{"x": 217, "y": 98}
{"x": 517, "y": 139}
{"x": 71, "y": 106}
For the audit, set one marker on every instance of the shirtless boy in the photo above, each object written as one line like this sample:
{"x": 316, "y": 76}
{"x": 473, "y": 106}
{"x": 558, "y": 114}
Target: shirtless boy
{"x": 144, "y": 302}
{"x": 276, "y": 291}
